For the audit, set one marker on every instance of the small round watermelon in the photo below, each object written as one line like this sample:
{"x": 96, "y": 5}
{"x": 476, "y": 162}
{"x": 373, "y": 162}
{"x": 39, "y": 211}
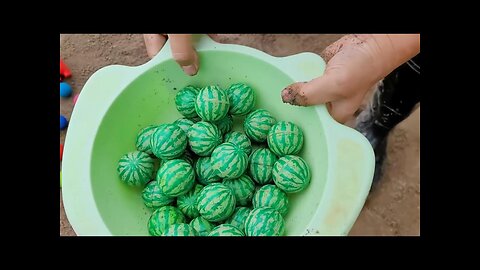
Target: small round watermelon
{"x": 205, "y": 173}
{"x": 285, "y": 138}
{"x": 187, "y": 203}
{"x": 238, "y": 217}
{"x": 241, "y": 97}
{"x": 291, "y": 174}
{"x": 229, "y": 161}
{"x": 216, "y": 202}
{"x": 184, "y": 124}
{"x": 242, "y": 187}
{"x": 257, "y": 124}
{"x": 271, "y": 196}
{"x": 212, "y": 103}
{"x": 201, "y": 226}
{"x": 142, "y": 142}
{"x": 175, "y": 177}
{"x": 185, "y": 101}
{"x": 264, "y": 221}
{"x": 225, "y": 124}
{"x": 179, "y": 229}
{"x": 168, "y": 141}
{"x": 153, "y": 197}
{"x": 135, "y": 168}
{"x": 162, "y": 218}
{"x": 203, "y": 137}
{"x": 226, "y": 230}
{"x": 260, "y": 166}
{"x": 240, "y": 139}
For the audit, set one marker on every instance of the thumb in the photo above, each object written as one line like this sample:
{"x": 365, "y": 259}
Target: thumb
{"x": 317, "y": 91}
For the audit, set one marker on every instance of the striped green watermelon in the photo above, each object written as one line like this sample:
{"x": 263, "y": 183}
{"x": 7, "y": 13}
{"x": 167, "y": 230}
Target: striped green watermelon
{"x": 184, "y": 124}
{"x": 168, "y": 141}
{"x": 260, "y": 166}
{"x": 185, "y": 101}
{"x": 291, "y": 174}
{"x": 187, "y": 203}
{"x": 179, "y": 229}
{"x": 264, "y": 221}
{"x": 135, "y": 168}
{"x": 216, "y": 202}
{"x": 271, "y": 196}
{"x": 175, "y": 177}
{"x": 257, "y": 124}
{"x": 285, "y": 138}
{"x": 242, "y": 187}
{"x": 203, "y": 137}
{"x": 229, "y": 161}
{"x": 225, "y": 124}
{"x": 212, "y": 103}
{"x": 201, "y": 226}
{"x": 142, "y": 142}
{"x": 226, "y": 230}
{"x": 238, "y": 217}
{"x": 204, "y": 171}
{"x": 240, "y": 139}
{"x": 153, "y": 197}
{"x": 242, "y": 99}
{"x": 162, "y": 218}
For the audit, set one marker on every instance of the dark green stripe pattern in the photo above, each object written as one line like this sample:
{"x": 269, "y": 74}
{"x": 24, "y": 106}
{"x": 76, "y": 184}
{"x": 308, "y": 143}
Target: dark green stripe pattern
{"x": 153, "y": 197}
{"x": 216, "y": 202}
{"x": 212, "y": 103}
{"x": 205, "y": 173}
{"x": 226, "y": 230}
{"x": 142, "y": 142}
{"x": 271, "y": 196}
{"x": 239, "y": 217}
{"x": 168, "y": 141}
{"x": 135, "y": 168}
{"x": 242, "y": 187}
{"x": 162, "y": 218}
{"x": 260, "y": 166}
{"x": 264, "y": 221}
{"x": 242, "y": 99}
{"x": 229, "y": 161}
{"x": 257, "y": 124}
{"x": 291, "y": 174}
{"x": 285, "y": 138}
{"x": 201, "y": 226}
{"x": 203, "y": 137}
{"x": 225, "y": 124}
{"x": 240, "y": 139}
{"x": 185, "y": 101}
{"x": 179, "y": 229}
{"x": 175, "y": 177}
{"x": 187, "y": 203}
{"x": 184, "y": 124}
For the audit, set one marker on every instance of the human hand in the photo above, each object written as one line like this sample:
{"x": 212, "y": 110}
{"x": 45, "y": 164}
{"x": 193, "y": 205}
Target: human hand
{"x": 181, "y": 46}
{"x": 355, "y": 63}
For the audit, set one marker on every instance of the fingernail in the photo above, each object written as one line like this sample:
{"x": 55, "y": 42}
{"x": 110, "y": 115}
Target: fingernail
{"x": 190, "y": 70}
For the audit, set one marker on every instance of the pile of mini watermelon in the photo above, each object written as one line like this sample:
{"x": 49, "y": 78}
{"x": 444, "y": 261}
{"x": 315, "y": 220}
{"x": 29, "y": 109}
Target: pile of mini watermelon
{"x": 209, "y": 180}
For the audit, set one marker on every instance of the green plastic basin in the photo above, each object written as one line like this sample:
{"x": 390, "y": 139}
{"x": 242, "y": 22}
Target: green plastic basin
{"x": 117, "y": 101}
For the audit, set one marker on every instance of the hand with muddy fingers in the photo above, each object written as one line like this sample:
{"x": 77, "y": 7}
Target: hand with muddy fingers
{"x": 181, "y": 46}
{"x": 355, "y": 63}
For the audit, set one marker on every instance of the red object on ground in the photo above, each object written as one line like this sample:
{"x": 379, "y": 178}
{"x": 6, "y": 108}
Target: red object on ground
{"x": 61, "y": 151}
{"x": 75, "y": 99}
{"x": 64, "y": 71}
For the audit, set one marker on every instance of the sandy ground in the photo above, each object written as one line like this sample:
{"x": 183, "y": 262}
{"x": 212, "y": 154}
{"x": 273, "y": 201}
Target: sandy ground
{"x": 392, "y": 208}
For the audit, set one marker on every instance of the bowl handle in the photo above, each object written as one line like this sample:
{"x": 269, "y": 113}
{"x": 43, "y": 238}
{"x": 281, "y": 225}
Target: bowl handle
{"x": 350, "y": 174}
